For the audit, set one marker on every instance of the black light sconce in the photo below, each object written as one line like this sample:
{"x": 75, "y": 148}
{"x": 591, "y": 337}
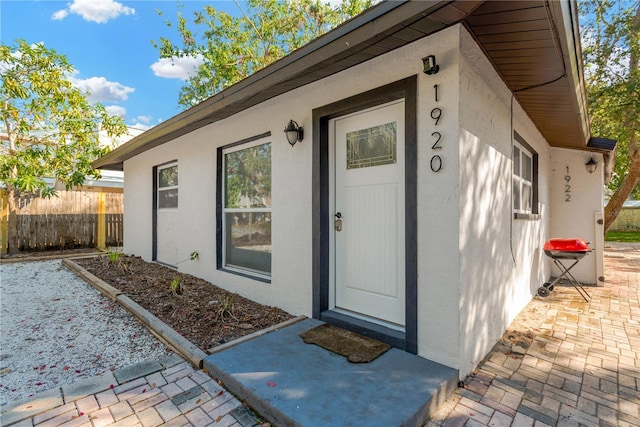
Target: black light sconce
{"x": 429, "y": 65}
{"x": 294, "y": 132}
{"x": 591, "y": 165}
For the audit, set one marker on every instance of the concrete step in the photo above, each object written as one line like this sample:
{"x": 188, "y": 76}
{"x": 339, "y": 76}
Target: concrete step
{"x": 296, "y": 384}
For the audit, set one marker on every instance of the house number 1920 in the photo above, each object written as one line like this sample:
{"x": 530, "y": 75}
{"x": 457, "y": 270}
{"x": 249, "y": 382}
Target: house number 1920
{"x": 436, "y": 115}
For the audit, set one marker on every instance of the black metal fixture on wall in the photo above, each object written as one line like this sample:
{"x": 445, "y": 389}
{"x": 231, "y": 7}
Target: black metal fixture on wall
{"x": 429, "y": 65}
{"x": 294, "y": 132}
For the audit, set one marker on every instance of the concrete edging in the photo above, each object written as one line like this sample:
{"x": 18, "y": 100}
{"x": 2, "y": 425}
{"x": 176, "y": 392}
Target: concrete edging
{"x": 157, "y": 327}
{"x": 104, "y": 288}
{"x": 161, "y": 330}
{"x": 166, "y": 334}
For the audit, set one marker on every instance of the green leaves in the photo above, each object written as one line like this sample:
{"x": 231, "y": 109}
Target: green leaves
{"x": 235, "y": 47}
{"x": 51, "y": 129}
{"x": 611, "y": 53}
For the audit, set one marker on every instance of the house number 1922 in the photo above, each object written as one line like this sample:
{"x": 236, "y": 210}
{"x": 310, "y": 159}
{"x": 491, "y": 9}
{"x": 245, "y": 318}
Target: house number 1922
{"x": 567, "y": 186}
{"x": 436, "y": 115}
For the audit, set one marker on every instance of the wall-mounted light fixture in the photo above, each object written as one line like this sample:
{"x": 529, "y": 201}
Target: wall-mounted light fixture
{"x": 294, "y": 132}
{"x": 429, "y": 65}
{"x": 591, "y": 165}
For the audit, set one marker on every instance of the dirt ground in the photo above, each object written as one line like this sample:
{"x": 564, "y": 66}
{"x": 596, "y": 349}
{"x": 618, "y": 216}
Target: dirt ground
{"x": 201, "y": 312}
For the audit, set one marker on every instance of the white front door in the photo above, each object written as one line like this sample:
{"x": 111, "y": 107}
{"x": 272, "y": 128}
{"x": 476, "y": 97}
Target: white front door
{"x": 369, "y": 213}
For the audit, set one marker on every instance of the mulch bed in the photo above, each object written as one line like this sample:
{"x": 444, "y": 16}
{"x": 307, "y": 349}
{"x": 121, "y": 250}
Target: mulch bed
{"x": 201, "y": 312}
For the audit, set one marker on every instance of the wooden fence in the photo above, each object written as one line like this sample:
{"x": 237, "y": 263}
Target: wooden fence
{"x": 628, "y": 220}
{"x": 69, "y": 219}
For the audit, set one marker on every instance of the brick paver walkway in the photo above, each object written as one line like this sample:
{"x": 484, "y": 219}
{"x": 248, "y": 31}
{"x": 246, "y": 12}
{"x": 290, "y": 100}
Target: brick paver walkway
{"x": 583, "y": 369}
{"x": 168, "y": 393}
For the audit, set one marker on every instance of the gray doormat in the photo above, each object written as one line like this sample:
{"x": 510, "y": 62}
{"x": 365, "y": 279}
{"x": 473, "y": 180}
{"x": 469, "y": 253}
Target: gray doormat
{"x": 355, "y": 347}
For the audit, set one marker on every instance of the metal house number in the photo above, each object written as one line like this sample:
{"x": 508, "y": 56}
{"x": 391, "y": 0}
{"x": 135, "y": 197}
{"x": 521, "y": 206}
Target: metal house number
{"x": 436, "y": 115}
{"x": 567, "y": 186}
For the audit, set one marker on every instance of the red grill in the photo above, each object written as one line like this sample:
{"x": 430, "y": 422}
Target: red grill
{"x": 571, "y": 251}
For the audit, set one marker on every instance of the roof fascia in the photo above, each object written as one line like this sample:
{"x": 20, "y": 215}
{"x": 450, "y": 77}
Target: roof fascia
{"x": 375, "y": 20}
{"x": 565, "y": 19}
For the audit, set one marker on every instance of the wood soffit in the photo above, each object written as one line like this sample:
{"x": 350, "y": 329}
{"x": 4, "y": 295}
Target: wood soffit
{"x": 521, "y": 38}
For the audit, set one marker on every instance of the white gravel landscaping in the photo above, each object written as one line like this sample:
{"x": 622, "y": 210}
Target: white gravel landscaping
{"x": 55, "y": 329}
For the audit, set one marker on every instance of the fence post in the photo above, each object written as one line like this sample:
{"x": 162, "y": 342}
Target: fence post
{"x": 101, "y": 242}
{"x": 4, "y": 222}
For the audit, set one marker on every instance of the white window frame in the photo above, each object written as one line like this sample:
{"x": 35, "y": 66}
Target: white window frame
{"x": 520, "y": 181}
{"x": 170, "y": 187}
{"x": 231, "y": 267}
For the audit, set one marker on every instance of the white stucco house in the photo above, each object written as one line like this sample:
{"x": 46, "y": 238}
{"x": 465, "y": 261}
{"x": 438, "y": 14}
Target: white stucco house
{"x": 416, "y": 203}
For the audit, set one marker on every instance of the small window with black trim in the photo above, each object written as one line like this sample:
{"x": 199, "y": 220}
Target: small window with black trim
{"x": 168, "y": 186}
{"x": 525, "y": 178}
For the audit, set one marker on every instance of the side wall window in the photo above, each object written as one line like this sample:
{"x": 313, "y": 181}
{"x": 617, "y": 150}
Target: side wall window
{"x": 525, "y": 177}
{"x": 246, "y": 208}
{"x": 168, "y": 186}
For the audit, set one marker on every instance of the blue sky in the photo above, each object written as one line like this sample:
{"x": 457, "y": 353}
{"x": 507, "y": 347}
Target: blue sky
{"x": 109, "y": 44}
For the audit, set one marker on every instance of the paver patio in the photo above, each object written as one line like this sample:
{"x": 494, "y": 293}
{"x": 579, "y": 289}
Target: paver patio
{"x": 582, "y": 370}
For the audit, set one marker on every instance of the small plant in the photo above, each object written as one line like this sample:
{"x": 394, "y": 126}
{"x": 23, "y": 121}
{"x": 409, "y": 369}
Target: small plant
{"x": 114, "y": 256}
{"x": 192, "y": 257}
{"x": 227, "y": 308}
{"x": 176, "y": 286}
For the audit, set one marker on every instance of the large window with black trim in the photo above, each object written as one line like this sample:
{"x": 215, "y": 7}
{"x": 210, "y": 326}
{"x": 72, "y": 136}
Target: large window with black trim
{"x": 525, "y": 178}
{"x": 246, "y": 208}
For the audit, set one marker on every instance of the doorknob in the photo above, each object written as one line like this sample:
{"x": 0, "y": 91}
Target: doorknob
{"x": 338, "y": 221}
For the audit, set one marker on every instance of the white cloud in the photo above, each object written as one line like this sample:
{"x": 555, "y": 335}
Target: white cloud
{"x": 102, "y": 90}
{"x": 144, "y": 119}
{"x": 99, "y": 11}
{"x": 116, "y": 110}
{"x": 60, "y": 15}
{"x": 177, "y": 68}
{"x": 140, "y": 126}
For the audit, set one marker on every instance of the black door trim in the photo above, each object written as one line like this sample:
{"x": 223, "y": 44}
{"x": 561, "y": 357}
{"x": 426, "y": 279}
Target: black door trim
{"x": 403, "y": 89}
{"x": 154, "y": 213}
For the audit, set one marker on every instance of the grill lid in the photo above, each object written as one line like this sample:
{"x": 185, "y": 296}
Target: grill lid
{"x": 567, "y": 245}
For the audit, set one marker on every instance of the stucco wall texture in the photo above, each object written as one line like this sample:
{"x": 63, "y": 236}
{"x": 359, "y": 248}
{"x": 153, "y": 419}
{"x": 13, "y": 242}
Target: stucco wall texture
{"x": 477, "y": 266}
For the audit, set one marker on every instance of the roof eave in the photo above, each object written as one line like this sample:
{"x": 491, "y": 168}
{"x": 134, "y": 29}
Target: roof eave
{"x": 357, "y": 30}
{"x": 565, "y": 16}
{"x": 385, "y": 18}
